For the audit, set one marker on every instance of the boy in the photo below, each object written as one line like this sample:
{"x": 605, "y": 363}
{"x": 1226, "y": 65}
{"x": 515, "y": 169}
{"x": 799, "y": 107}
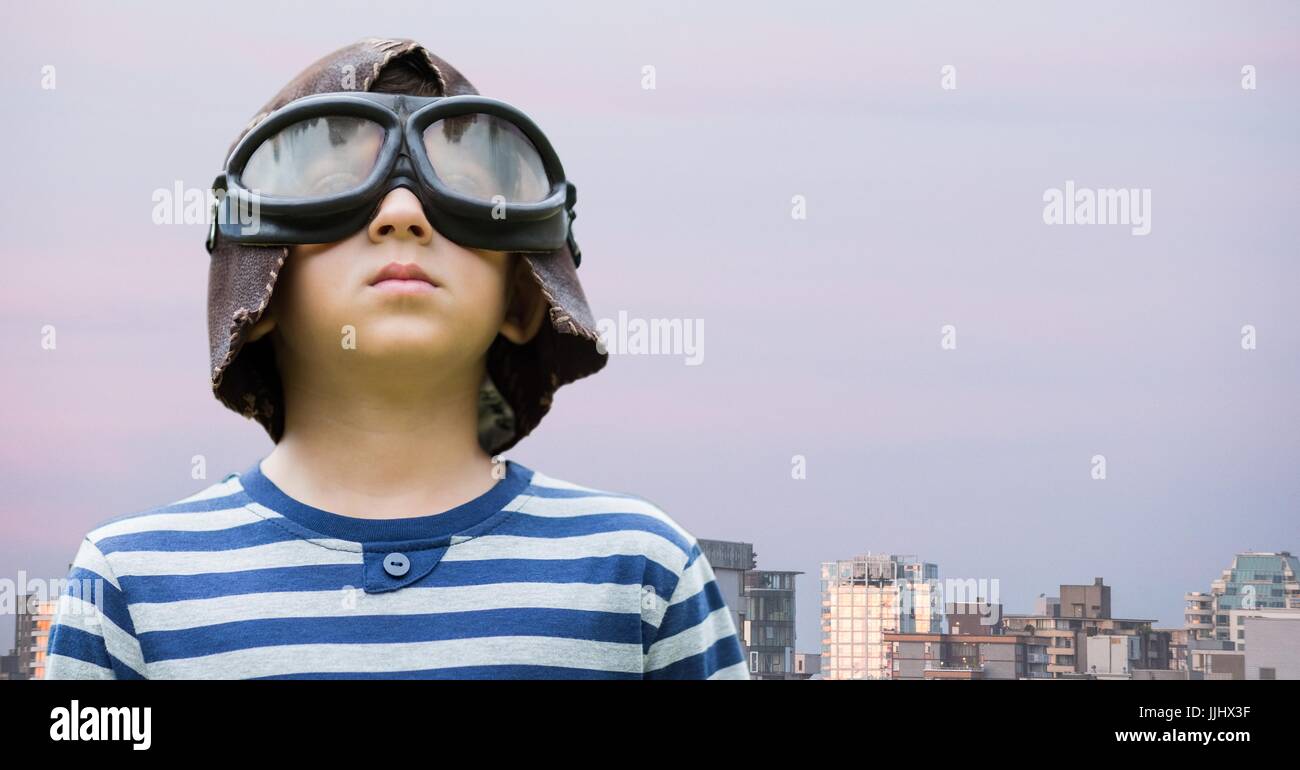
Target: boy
{"x": 392, "y": 361}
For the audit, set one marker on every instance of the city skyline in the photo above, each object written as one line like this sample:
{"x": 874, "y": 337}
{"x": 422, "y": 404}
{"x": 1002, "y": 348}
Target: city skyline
{"x": 825, "y": 335}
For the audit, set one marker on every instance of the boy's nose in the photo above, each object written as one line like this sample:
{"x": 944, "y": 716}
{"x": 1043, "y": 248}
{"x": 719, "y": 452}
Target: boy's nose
{"x": 401, "y": 216}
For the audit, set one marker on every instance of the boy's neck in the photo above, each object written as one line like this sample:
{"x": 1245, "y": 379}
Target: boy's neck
{"x": 382, "y": 451}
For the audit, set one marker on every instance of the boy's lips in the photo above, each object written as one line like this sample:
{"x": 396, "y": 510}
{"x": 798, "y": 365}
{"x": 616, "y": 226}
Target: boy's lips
{"x": 403, "y": 277}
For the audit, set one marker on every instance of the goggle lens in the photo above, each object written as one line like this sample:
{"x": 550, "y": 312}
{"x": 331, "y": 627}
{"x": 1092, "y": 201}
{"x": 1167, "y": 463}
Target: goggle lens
{"x": 315, "y": 158}
{"x": 481, "y": 156}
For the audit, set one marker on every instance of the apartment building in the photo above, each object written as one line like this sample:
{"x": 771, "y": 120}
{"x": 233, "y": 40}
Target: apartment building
{"x": 1084, "y": 611}
{"x": 770, "y": 614}
{"x": 1258, "y": 584}
{"x": 968, "y": 656}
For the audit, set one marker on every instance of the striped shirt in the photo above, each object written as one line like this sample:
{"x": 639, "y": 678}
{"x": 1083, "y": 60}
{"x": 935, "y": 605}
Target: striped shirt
{"x": 535, "y": 579}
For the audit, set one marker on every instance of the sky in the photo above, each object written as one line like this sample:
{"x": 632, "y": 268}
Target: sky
{"x": 800, "y": 185}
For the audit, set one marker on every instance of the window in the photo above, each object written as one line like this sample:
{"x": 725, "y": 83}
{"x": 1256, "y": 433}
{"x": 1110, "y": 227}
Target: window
{"x": 1267, "y": 673}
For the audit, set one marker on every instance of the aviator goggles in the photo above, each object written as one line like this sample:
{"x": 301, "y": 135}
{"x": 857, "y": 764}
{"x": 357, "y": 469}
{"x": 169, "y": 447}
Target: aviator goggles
{"x": 316, "y": 170}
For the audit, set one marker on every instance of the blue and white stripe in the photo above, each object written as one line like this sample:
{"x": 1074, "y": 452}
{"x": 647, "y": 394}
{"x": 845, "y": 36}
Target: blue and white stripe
{"x": 553, "y": 581}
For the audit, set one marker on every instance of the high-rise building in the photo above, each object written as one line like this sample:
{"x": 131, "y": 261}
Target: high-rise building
{"x": 1258, "y": 584}
{"x": 1257, "y": 581}
{"x": 865, "y": 597}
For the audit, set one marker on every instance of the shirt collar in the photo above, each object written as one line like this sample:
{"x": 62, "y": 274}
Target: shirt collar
{"x": 457, "y": 520}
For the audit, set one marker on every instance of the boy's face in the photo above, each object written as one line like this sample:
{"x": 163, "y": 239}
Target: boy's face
{"x": 334, "y": 295}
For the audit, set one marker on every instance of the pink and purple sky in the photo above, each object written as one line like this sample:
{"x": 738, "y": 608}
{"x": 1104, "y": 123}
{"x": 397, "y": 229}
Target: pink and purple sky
{"x": 924, "y": 208}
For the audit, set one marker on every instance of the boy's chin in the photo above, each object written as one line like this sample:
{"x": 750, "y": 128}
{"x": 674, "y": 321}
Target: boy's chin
{"x": 409, "y": 339}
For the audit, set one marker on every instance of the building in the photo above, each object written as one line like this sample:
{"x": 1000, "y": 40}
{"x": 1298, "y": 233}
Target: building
{"x": 1150, "y": 674}
{"x": 1198, "y": 616}
{"x": 979, "y": 617}
{"x": 1047, "y": 606}
{"x": 1237, "y": 622}
{"x": 731, "y": 561}
{"x": 1179, "y": 639}
{"x": 31, "y": 637}
{"x": 1085, "y": 601}
{"x": 808, "y": 665}
{"x": 1231, "y": 658}
{"x": 762, "y": 604}
{"x": 9, "y": 666}
{"x": 1257, "y": 580}
{"x": 1084, "y": 611}
{"x": 1159, "y": 653}
{"x": 770, "y": 635}
{"x": 1274, "y": 648}
{"x": 973, "y": 655}
{"x": 1216, "y": 659}
{"x": 864, "y": 598}
{"x": 1263, "y": 584}
{"x": 1114, "y": 654}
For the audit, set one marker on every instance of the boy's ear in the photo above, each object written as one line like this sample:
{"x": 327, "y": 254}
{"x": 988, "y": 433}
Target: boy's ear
{"x": 525, "y": 305}
{"x": 265, "y": 324}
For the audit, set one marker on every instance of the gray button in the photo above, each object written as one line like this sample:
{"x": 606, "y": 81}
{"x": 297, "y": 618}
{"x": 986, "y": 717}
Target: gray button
{"x": 396, "y": 564}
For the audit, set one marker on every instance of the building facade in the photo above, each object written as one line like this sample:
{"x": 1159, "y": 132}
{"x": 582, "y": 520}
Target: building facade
{"x": 1274, "y": 648}
{"x": 31, "y": 638}
{"x": 770, "y": 614}
{"x": 1255, "y": 581}
{"x": 966, "y": 656}
{"x": 864, "y": 598}
{"x": 731, "y": 561}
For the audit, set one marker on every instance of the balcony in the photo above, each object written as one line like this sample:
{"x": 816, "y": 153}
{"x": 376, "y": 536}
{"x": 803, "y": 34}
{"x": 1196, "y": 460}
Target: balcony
{"x": 936, "y": 665}
{"x": 939, "y": 671}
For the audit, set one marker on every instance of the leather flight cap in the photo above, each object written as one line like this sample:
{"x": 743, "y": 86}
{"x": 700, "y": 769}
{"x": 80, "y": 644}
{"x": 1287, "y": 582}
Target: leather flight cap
{"x": 522, "y": 379}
